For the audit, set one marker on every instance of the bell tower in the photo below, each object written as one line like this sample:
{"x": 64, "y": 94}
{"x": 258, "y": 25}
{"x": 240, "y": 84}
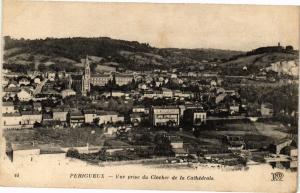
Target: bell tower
{"x": 86, "y": 86}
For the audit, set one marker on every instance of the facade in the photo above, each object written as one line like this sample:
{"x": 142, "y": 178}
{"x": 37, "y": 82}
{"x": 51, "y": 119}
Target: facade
{"x": 8, "y": 107}
{"x": 67, "y": 92}
{"x": 31, "y": 117}
{"x": 109, "y": 117}
{"x": 60, "y": 115}
{"x": 140, "y": 109}
{"x": 11, "y": 120}
{"x": 76, "y": 118}
{"x": 37, "y": 106}
{"x": 164, "y": 115}
{"x": 24, "y": 81}
{"x": 123, "y": 79}
{"x": 100, "y": 80}
{"x": 194, "y": 116}
{"x": 90, "y": 116}
{"x": 25, "y": 95}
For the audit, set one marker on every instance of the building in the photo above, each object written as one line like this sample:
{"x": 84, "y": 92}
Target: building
{"x": 167, "y": 93}
{"x": 194, "y": 116}
{"x": 68, "y": 92}
{"x": 37, "y": 106}
{"x": 137, "y": 118}
{"x": 90, "y": 116}
{"x": 60, "y": 114}
{"x": 25, "y": 95}
{"x": 86, "y": 78}
{"x": 109, "y": 117}
{"x": 100, "y": 79}
{"x": 140, "y": 109}
{"x": 8, "y": 107}
{"x": 266, "y": 109}
{"x": 11, "y": 121}
{"x": 123, "y": 79}
{"x": 76, "y": 118}
{"x": 47, "y": 118}
{"x": 164, "y": 115}
{"x": 29, "y": 118}
{"x": 24, "y": 81}
{"x": 51, "y": 76}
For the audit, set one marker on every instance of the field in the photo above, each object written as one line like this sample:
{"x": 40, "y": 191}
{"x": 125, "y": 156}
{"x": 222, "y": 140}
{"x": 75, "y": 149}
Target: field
{"x": 63, "y": 137}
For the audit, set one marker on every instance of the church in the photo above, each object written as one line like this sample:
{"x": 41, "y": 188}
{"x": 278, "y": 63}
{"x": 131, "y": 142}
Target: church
{"x": 89, "y": 79}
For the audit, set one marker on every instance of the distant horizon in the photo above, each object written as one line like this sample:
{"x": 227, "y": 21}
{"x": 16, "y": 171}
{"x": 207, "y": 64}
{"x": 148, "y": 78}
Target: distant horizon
{"x": 188, "y": 26}
{"x": 207, "y": 48}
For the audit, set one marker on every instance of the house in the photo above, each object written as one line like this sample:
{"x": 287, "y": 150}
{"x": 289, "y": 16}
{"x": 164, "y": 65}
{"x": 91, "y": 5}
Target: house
{"x": 213, "y": 83}
{"x": 109, "y": 117}
{"x": 164, "y": 115}
{"x": 234, "y": 108}
{"x": 235, "y": 142}
{"x": 137, "y": 118}
{"x": 11, "y": 120}
{"x": 167, "y": 93}
{"x": 68, "y": 92}
{"x": 12, "y": 84}
{"x": 192, "y": 74}
{"x": 90, "y": 116}
{"x": 37, "y": 106}
{"x": 110, "y": 130}
{"x": 8, "y": 107}
{"x": 142, "y": 86}
{"x": 140, "y": 109}
{"x": 266, "y": 109}
{"x": 31, "y": 117}
{"x": 24, "y": 81}
{"x": 76, "y": 118}
{"x": 175, "y": 141}
{"x": 51, "y": 76}
{"x": 60, "y": 114}
{"x": 117, "y": 93}
{"x": 47, "y": 118}
{"x": 25, "y": 95}
{"x": 37, "y": 80}
{"x": 194, "y": 116}
{"x": 173, "y": 75}
{"x": 149, "y": 94}
{"x": 180, "y": 152}
{"x": 279, "y": 146}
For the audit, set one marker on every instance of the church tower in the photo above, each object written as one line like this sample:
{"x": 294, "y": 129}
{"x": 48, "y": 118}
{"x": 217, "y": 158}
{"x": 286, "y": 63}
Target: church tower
{"x": 86, "y": 86}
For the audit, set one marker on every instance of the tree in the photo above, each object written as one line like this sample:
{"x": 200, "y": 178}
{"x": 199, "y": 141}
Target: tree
{"x": 163, "y": 146}
{"x": 73, "y": 153}
{"x": 96, "y": 121}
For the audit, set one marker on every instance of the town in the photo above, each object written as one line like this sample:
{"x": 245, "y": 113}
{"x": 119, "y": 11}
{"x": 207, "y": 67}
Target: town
{"x": 161, "y": 116}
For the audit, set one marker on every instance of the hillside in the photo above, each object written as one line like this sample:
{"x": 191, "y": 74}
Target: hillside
{"x": 257, "y": 61}
{"x": 108, "y": 54}
{"x": 105, "y": 52}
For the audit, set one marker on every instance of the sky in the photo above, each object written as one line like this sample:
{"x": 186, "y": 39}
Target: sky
{"x": 233, "y": 27}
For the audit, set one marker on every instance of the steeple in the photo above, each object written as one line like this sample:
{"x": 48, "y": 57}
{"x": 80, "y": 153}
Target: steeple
{"x": 86, "y": 77}
{"x": 87, "y": 62}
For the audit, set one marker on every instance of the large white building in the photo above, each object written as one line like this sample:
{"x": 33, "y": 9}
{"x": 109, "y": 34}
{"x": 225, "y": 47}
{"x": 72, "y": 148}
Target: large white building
{"x": 164, "y": 115}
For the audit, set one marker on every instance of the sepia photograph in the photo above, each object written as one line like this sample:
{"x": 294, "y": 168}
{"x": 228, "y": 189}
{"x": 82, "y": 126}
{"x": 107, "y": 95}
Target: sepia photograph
{"x": 149, "y": 96}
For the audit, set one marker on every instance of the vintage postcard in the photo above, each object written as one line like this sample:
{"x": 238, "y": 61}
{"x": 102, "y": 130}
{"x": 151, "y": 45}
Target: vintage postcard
{"x": 149, "y": 96}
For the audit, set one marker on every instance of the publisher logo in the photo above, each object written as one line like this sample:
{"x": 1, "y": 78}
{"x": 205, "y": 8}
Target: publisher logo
{"x": 277, "y": 176}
